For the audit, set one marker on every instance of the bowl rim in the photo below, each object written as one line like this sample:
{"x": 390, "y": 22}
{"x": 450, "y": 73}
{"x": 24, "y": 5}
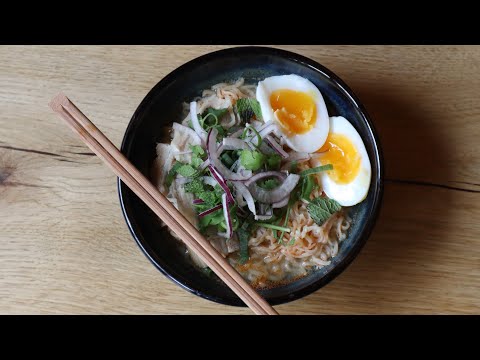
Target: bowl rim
{"x": 304, "y": 61}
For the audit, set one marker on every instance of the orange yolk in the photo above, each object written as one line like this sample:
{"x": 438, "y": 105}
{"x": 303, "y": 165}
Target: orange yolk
{"x": 295, "y": 110}
{"x": 339, "y": 151}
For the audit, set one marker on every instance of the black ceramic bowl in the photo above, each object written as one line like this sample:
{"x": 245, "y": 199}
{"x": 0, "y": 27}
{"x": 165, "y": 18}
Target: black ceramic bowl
{"x": 163, "y": 104}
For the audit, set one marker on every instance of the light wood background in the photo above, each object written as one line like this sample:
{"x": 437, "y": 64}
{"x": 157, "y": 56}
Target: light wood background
{"x": 64, "y": 245}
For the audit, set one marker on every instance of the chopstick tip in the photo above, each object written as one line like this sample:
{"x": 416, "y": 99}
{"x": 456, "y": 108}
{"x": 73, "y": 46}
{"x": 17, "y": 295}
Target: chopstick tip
{"x": 57, "y": 102}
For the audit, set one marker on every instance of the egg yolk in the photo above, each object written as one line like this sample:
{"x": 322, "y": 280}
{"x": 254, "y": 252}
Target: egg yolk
{"x": 339, "y": 151}
{"x": 295, "y": 110}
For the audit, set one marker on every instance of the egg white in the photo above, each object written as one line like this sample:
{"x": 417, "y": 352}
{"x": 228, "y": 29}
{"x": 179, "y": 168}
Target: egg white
{"x": 313, "y": 139}
{"x": 356, "y": 191}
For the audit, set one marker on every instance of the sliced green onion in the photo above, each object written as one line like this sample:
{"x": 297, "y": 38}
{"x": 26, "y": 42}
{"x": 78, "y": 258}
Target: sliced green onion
{"x": 316, "y": 170}
{"x": 202, "y": 121}
{"x": 258, "y": 136}
{"x": 274, "y": 227}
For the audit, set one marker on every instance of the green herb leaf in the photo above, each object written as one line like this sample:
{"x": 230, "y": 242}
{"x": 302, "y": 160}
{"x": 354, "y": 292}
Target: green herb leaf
{"x": 197, "y": 150}
{"x": 195, "y": 186}
{"x": 269, "y": 184}
{"x": 173, "y": 171}
{"x": 211, "y": 219}
{"x": 218, "y": 113}
{"x": 273, "y": 162}
{"x": 307, "y": 187}
{"x": 316, "y": 170}
{"x": 321, "y": 208}
{"x": 247, "y": 107}
{"x": 186, "y": 171}
{"x": 243, "y": 233}
{"x": 292, "y": 241}
{"x": 196, "y": 161}
{"x": 209, "y": 198}
{"x": 252, "y": 159}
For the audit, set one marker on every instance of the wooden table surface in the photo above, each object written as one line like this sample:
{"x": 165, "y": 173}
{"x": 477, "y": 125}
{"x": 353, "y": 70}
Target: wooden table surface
{"x": 65, "y": 247}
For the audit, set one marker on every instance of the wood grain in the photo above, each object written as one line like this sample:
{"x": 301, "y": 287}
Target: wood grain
{"x": 65, "y": 248}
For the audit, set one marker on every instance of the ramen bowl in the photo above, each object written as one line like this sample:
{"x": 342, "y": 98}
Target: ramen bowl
{"x": 164, "y": 103}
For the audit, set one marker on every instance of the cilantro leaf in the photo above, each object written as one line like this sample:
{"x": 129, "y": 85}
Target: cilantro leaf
{"x": 320, "y": 209}
{"x": 213, "y": 218}
{"x": 247, "y": 107}
{"x": 196, "y": 161}
{"x": 273, "y": 162}
{"x": 197, "y": 149}
{"x": 269, "y": 184}
{"x": 173, "y": 171}
{"x": 218, "y": 113}
{"x": 252, "y": 159}
{"x": 195, "y": 186}
{"x": 209, "y": 198}
{"x": 186, "y": 171}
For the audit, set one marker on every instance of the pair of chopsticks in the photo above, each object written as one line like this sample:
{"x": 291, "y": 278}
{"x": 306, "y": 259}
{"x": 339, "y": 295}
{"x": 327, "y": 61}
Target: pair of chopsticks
{"x": 156, "y": 201}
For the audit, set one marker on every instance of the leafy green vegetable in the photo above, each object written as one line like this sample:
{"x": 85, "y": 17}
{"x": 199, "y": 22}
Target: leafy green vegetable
{"x": 273, "y": 162}
{"x": 307, "y": 187}
{"x": 321, "y": 208}
{"x": 316, "y": 170}
{"x": 198, "y": 156}
{"x": 252, "y": 159}
{"x": 196, "y": 161}
{"x": 186, "y": 171}
{"x": 173, "y": 171}
{"x": 247, "y": 107}
{"x": 213, "y": 218}
{"x": 217, "y": 113}
{"x": 269, "y": 184}
{"x": 243, "y": 233}
{"x": 210, "y": 198}
{"x": 197, "y": 150}
{"x": 195, "y": 186}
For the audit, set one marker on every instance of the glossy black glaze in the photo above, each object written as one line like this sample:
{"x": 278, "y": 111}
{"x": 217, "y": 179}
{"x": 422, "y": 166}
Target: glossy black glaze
{"x": 163, "y": 105}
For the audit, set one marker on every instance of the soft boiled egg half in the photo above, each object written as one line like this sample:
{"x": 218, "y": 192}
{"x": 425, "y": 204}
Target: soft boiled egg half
{"x": 349, "y": 181}
{"x": 297, "y": 106}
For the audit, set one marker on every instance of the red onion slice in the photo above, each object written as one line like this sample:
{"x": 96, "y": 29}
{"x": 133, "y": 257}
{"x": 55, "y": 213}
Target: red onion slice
{"x": 255, "y": 178}
{"x": 276, "y": 146}
{"x": 243, "y": 190}
{"x": 275, "y": 195}
{"x": 226, "y": 213}
{"x": 236, "y": 134}
{"x": 204, "y": 165}
{"x": 214, "y": 160}
{"x": 281, "y": 203}
{"x": 221, "y": 181}
{"x": 209, "y": 211}
{"x": 234, "y": 144}
{"x": 198, "y": 201}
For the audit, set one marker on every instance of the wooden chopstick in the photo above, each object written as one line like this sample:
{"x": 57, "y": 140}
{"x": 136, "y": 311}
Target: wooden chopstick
{"x": 149, "y": 194}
